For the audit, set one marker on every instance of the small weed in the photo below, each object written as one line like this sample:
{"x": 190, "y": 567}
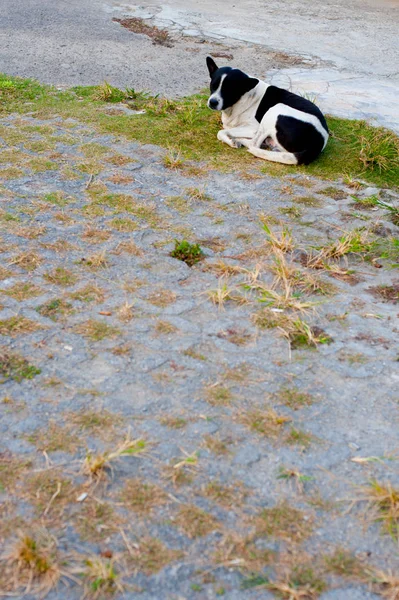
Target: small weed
{"x": 297, "y": 437}
{"x": 96, "y": 465}
{"x": 16, "y": 367}
{"x": 97, "y": 330}
{"x": 101, "y": 578}
{"x": 32, "y": 564}
{"x": 195, "y": 522}
{"x": 173, "y": 160}
{"x": 186, "y": 252}
{"x": 282, "y": 242}
{"x": 55, "y": 309}
{"x": 291, "y": 211}
{"x": 265, "y": 421}
{"x": 293, "y": 474}
{"x": 300, "y": 334}
{"x": 308, "y": 201}
{"x": 197, "y": 195}
{"x": 181, "y": 471}
{"x": 383, "y": 503}
{"x": 174, "y": 422}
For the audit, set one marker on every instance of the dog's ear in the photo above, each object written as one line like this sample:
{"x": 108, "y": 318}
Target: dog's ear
{"x": 212, "y": 66}
{"x": 251, "y": 83}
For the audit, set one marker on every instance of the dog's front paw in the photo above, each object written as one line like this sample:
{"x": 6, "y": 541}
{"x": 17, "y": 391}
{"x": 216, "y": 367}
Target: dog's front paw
{"x": 235, "y": 143}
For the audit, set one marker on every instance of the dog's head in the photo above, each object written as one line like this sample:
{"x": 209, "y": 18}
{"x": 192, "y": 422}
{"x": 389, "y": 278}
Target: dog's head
{"x": 227, "y": 85}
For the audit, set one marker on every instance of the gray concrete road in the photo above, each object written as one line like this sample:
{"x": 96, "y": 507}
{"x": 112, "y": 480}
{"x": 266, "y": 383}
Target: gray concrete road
{"x": 347, "y": 53}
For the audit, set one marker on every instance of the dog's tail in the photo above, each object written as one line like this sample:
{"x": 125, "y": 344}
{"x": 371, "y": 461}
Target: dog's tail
{"x": 286, "y": 158}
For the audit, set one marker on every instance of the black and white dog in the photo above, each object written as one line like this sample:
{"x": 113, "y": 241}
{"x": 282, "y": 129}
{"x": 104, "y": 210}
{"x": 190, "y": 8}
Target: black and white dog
{"x": 272, "y": 123}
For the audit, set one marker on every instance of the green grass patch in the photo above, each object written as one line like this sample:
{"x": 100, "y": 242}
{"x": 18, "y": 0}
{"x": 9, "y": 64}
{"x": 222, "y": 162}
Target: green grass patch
{"x": 355, "y": 149}
{"x": 188, "y": 253}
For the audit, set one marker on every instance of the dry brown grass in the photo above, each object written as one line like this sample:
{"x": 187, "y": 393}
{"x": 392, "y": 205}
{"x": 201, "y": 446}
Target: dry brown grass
{"x": 242, "y": 553}
{"x": 285, "y": 522}
{"x": 300, "y": 582}
{"x": 150, "y": 555}
{"x": 15, "y": 326}
{"x": 128, "y": 247}
{"x": 60, "y": 276}
{"x": 22, "y": 291}
{"x": 383, "y": 505}
{"x": 385, "y": 583}
{"x": 31, "y": 565}
{"x": 89, "y": 293}
{"x": 102, "y": 578}
{"x": 230, "y": 496}
{"x": 97, "y": 330}
{"x": 125, "y": 313}
{"x": 195, "y": 522}
{"x": 28, "y": 261}
{"x": 215, "y": 445}
{"x": 181, "y": 471}
{"x": 218, "y": 394}
{"x": 162, "y": 297}
{"x": 95, "y": 236}
{"x": 142, "y": 497}
{"x": 55, "y": 438}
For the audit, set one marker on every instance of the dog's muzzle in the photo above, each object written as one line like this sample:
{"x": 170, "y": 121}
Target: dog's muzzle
{"x": 213, "y": 103}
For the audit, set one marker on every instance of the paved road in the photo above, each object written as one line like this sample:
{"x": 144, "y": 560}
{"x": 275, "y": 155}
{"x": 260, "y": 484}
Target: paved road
{"x": 352, "y": 47}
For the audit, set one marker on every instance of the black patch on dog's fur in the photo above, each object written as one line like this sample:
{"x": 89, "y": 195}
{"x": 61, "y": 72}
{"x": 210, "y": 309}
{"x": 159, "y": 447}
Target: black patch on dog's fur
{"x": 275, "y": 95}
{"x": 300, "y": 138}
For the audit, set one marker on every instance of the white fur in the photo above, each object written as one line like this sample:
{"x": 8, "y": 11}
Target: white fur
{"x": 240, "y": 128}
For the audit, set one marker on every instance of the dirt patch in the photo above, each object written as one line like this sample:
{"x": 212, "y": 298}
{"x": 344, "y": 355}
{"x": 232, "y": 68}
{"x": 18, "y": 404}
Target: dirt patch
{"x": 387, "y": 293}
{"x": 159, "y": 37}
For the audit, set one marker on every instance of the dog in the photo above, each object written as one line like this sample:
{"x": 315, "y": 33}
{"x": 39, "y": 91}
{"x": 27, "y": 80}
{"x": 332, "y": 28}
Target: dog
{"x": 273, "y": 123}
